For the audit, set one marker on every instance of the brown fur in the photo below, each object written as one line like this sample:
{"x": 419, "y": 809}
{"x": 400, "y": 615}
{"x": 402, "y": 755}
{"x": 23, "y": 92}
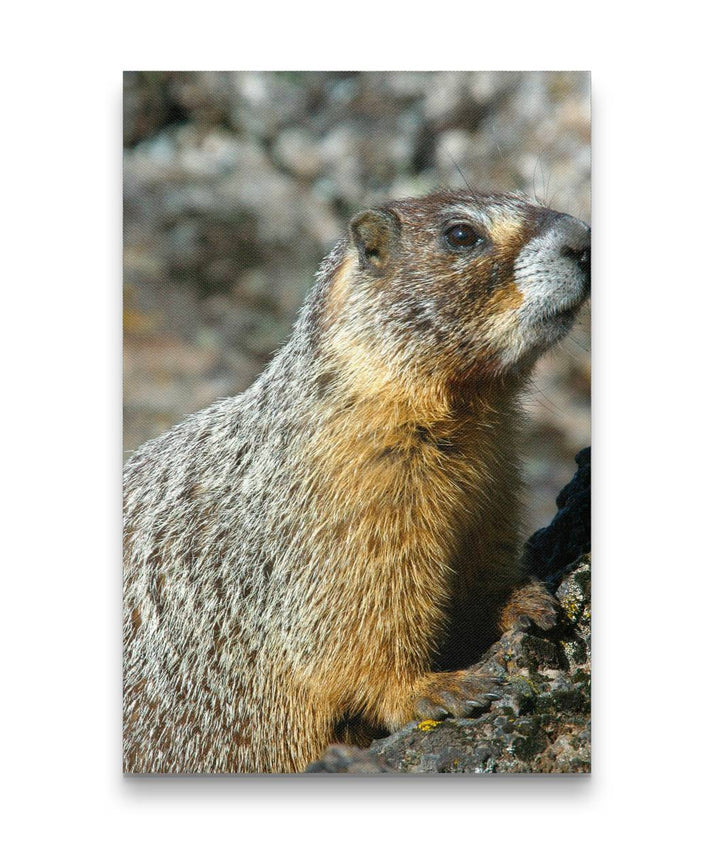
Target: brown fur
{"x": 325, "y": 556}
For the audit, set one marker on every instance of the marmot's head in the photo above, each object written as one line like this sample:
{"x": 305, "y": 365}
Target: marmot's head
{"x": 458, "y": 284}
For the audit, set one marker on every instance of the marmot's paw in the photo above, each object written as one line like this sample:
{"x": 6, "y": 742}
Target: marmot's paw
{"x": 460, "y": 694}
{"x": 532, "y": 603}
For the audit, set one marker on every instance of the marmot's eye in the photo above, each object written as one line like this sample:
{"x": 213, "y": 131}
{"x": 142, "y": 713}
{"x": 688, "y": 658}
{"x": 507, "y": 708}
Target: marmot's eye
{"x": 462, "y": 236}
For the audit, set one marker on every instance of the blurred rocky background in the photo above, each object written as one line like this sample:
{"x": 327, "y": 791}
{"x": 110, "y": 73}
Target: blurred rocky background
{"x": 236, "y": 184}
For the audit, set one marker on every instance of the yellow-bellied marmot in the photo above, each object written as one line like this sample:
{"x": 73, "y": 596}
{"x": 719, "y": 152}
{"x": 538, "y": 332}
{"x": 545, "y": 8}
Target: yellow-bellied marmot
{"x": 325, "y": 555}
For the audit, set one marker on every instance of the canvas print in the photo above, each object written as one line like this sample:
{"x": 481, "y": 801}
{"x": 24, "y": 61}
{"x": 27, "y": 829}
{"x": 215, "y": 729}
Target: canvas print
{"x": 356, "y": 422}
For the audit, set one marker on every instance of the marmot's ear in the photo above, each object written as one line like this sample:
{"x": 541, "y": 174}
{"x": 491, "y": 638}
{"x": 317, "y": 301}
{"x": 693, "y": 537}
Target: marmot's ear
{"x": 375, "y": 233}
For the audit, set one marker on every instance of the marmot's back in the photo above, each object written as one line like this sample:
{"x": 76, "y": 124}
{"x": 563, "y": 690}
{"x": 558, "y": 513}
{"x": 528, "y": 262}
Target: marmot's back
{"x": 200, "y": 591}
{"x": 299, "y": 559}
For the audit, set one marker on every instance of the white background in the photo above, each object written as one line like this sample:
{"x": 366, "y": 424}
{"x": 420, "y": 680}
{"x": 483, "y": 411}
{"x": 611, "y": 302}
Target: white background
{"x": 655, "y": 285}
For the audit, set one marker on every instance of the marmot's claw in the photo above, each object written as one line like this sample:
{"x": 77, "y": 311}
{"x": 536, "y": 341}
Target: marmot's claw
{"x": 458, "y": 694}
{"x": 425, "y": 709}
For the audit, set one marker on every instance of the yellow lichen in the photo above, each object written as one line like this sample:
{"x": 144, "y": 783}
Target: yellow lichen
{"x": 527, "y": 681}
{"x": 428, "y": 724}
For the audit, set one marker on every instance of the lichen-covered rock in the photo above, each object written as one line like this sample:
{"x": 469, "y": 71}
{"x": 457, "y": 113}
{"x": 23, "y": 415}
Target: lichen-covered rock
{"x": 541, "y": 724}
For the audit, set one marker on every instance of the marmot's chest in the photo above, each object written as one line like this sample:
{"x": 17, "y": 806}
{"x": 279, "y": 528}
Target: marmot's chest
{"x": 402, "y": 491}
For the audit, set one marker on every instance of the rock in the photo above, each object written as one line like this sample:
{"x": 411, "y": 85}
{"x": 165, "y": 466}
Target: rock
{"x": 550, "y": 549}
{"x": 541, "y": 724}
{"x": 348, "y": 759}
{"x": 297, "y": 151}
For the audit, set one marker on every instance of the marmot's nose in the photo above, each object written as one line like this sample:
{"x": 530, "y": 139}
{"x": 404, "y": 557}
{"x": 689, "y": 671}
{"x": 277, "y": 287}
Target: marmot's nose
{"x": 574, "y": 238}
{"x": 581, "y": 256}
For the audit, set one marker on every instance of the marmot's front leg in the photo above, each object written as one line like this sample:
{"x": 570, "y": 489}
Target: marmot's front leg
{"x": 468, "y": 692}
{"x": 437, "y": 695}
{"x": 473, "y": 690}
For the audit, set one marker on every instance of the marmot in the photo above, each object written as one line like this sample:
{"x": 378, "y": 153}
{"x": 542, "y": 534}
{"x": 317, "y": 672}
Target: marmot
{"x": 322, "y": 557}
